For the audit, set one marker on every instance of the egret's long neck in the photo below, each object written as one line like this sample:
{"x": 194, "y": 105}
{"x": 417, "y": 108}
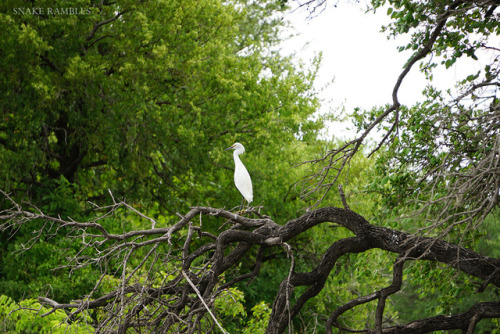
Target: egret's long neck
{"x": 236, "y": 156}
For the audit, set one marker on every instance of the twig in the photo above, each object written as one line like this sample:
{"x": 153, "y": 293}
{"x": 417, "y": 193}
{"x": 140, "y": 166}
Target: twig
{"x": 203, "y": 302}
{"x": 342, "y": 197}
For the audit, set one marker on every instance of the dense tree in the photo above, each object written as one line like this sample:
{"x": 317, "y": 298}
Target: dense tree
{"x": 140, "y": 99}
{"x": 147, "y": 93}
{"x": 170, "y": 72}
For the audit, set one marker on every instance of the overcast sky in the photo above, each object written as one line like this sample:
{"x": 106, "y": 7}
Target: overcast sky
{"x": 362, "y": 61}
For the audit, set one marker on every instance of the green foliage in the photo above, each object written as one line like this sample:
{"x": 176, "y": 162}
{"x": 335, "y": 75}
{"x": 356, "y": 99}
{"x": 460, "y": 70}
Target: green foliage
{"x": 260, "y": 318}
{"x": 142, "y": 106}
{"x": 25, "y": 317}
{"x": 150, "y": 101}
{"x": 34, "y": 273}
{"x": 231, "y": 312}
{"x": 229, "y": 303}
{"x": 465, "y": 32}
{"x": 432, "y": 289}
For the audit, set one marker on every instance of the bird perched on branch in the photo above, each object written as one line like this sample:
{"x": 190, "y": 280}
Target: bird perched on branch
{"x": 241, "y": 177}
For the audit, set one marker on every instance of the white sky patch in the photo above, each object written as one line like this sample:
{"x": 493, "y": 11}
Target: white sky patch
{"x": 363, "y": 64}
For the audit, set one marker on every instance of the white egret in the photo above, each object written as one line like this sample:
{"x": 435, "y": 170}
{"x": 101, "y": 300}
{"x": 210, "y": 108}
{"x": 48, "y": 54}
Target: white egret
{"x": 241, "y": 177}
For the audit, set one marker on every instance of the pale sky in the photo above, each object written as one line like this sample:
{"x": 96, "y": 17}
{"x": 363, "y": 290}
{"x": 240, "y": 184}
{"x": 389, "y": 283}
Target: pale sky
{"x": 360, "y": 59}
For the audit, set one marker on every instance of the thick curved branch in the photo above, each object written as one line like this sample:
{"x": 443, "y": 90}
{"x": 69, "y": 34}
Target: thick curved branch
{"x": 315, "y": 279}
{"x": 465, "y": 321}
{"x": 394, "y": 241}
{"x": 368, "y": 237}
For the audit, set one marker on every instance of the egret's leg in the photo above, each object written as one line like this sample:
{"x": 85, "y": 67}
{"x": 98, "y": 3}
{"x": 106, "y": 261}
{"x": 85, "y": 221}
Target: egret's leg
{"x": 242, "y": 206}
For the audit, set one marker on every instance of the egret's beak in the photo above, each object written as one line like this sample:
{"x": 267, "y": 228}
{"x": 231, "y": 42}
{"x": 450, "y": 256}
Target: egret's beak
{"x": 229, "y": 148}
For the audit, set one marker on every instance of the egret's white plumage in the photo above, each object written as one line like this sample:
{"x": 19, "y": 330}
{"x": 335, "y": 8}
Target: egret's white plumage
{"x": 241, "y": 177}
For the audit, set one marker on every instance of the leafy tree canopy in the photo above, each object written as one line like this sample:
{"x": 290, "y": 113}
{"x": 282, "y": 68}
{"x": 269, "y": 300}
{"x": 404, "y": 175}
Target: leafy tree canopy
{"x": 140, "y": 98}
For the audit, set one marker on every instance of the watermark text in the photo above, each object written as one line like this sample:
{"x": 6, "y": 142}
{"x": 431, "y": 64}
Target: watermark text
{"x": 51, "y": 11}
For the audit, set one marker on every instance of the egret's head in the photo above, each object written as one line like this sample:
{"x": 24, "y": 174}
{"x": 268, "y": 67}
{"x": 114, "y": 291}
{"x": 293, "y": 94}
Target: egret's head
{"x": 237, "y": 147}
